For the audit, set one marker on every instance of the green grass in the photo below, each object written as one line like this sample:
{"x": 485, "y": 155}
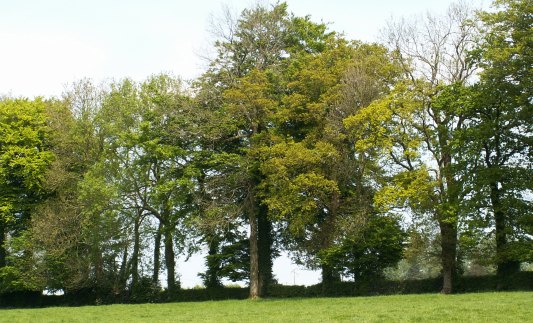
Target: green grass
{"x": 482, "y": 307}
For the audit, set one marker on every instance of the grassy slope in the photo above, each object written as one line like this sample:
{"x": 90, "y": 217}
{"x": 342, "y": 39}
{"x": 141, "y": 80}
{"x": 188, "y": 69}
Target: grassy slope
{"x": 483, "y": 307}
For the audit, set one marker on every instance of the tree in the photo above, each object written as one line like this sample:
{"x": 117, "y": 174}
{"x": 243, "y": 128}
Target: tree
{"x": 315, "y": 183}
{"x": 230, "y": 259}
{"x": 297, "y": 186}
{"x": 412, "y": 130}
{"x": 252, "y": 101}
{"x": 240, "y": 88}
{"x": 420, "y": 256}
{"x": 73, "y": 244}
{"x": 148, "y": 161}
{"x": 378, "y": 245}
{"x": 24, "y": 159}
{"x": 500, "y": 133}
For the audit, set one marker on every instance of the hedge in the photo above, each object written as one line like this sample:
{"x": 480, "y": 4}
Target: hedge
{"x": 522, "y": 281}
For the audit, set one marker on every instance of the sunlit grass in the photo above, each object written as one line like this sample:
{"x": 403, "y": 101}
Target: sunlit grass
{"x": 482, "y": 307}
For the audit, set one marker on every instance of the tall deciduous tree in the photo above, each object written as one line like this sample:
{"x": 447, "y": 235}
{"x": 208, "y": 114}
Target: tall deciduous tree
{"x": 315, "y": 183}
{"x": 242, "y": 83}
{"x": 413, "y": 128}
{"x": 61, "y": 232}
{"x": 25, "y": 156}
{"x": 147, "y": 162}
{"x": 501, "y": 132}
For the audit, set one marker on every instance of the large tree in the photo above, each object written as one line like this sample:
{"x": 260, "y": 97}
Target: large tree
{"x": 147, "y": 163}
{"x": 67, "y": 239}
{"x": 412, "y": 131}
{"x": 25, "y": 156}
{"x": 315, "y": 183}
{"x": 241, "y": 89}
{"x": 500, "y": 136}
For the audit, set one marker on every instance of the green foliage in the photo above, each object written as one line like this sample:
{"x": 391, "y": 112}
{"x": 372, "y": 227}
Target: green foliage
{"x": 505, "y": 51}
{"x": 365, "y": 255}
{"x": 233, "y": 260}
{"x": 498, "y": 140}
{"x": 296, "y": 186}
{"x": 59, "y": 230}
{"x": 11, "y": 280}
{"x": 412, "y": 131}
{"x": 315, "y": 144}
{"x": 24, "y": 157}
{"x": 420, "y": 257}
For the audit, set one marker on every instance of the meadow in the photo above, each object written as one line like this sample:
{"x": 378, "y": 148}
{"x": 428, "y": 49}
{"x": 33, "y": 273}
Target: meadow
{"x": 478, "y": 307}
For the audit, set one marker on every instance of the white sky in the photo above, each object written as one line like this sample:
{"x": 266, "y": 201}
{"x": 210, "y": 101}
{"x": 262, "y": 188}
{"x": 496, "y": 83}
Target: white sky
{"x": 45, "y": 44}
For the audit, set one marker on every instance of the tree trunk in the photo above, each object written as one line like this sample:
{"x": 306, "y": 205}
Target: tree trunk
{"x": 448, "y": 233}
{"x": 329, "y": 277}
{"x": 157, "y": 254}
{"x": 264, "y": 235}
{"x": 448, "y": 222}
{"x": 212, "y": 279}
{"x": 505, "y": 265}
{"x": 255, "y": 283}
{"x": 99, "y": 274}
{"x": 2, "y": 248}
{"x": 254, "y": 211}
{"x": 170, "y": 261}
{"x": 135, "y": 255}
{"x": 123, "y": 276}
{"x": 212, "y": 273}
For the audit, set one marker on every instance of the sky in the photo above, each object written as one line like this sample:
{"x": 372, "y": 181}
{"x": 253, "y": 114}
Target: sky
{"x": 46, "y": 44}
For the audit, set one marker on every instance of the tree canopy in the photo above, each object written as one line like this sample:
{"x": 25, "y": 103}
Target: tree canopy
{"x": 357, "y": 159}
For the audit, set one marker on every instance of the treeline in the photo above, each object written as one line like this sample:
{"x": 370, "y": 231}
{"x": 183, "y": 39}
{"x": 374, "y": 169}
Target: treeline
{"x": 351, "y": 156}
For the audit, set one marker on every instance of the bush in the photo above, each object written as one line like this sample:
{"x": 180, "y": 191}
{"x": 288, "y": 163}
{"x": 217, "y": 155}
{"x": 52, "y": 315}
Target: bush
{"x": 145, "y": 291}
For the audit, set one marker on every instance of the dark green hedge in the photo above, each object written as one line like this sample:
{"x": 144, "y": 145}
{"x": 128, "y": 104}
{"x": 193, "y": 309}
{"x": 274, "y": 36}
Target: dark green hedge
{"x": 522, "y": 281}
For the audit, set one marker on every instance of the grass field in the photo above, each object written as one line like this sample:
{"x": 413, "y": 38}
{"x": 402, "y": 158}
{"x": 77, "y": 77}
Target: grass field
{"x": 483, "y": 307}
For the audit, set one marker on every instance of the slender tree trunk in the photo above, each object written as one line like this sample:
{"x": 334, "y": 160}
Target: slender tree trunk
{"x": 505, "y": 266}
{"x": 448, "y": 232}
{"x": 254, "y": 210}
{"x": 135, "y": 254}
{"x": 212, "y": 279}
{"x": 264, "y": 235}
{"x": 329, "y": 275}
{"x": 157, "y": 253}
{"x": 2, "y": 248}
{"x": 212, "y": 274}
{"x": 447, "y": 222}
{"x": 98, "y": 273}
{"x": 170, "y": 261}
{"x": 123, "y": 276}
{"x": 98, "y": 266}
{"x": 255, "y": 283}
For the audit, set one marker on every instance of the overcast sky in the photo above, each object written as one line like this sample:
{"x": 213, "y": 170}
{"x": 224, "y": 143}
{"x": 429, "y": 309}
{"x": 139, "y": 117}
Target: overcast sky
{"x": 45, "y": 44}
